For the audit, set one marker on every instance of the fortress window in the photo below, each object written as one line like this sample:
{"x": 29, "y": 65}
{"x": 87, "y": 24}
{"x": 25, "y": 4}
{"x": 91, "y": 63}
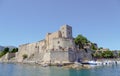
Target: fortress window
{"x": 68, "y": 28}
{"x": 69, "y": 32}
{"x": 58, "y": 42}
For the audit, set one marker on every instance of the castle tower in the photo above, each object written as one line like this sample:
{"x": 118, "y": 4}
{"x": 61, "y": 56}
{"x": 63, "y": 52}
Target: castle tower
{"x": 66, "y": 31}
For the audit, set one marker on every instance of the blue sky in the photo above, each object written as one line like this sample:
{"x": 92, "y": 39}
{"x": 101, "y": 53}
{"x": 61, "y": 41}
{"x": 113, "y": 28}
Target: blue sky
{"x": 26, "y": 21}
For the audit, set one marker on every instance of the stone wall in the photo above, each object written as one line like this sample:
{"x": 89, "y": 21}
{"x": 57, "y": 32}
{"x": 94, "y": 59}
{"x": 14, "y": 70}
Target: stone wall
{"x": 56, "y": 47}
{"x": 59, "y": 56}
{"x": 62, "y": 44}
{"x": 66, "y": 31}
{"x": 30, "y": 49}
{"x": 7, "y": 57}
{"x": 50, "y": 37}
{"x": 10, "y": 55}
{"x": 84, "y": 54}
{"x": 41, "y": 46}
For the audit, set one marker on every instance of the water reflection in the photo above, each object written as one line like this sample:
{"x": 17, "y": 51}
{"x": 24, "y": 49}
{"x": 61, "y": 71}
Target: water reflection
{"x": 35, "y": 70}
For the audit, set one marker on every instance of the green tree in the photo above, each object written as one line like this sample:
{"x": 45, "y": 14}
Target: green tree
{"x": 25, "y": 56}
{"x": 97, "y": 55}
{"x": 2, "y": 53}
{"x": 100, "y": 48}
{"x": 107, "y": 54}
{"x": 14, "y": 50}
{"x": 80, "y": 40}
{"x": 119, "y": 53}
{"x": 6, "y": 50}
{"x": 93, "y": 47}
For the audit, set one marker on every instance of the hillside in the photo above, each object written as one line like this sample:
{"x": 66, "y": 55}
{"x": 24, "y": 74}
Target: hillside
{"x": 10, "y": 47}
{"x": 1, "y": 48}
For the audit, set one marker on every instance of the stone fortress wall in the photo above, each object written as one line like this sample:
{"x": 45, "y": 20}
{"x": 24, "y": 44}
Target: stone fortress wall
{"x": 57, "y": 47}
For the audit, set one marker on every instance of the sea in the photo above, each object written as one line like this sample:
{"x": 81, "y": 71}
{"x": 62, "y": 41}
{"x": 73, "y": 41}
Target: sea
{"x": 10, "y": 69}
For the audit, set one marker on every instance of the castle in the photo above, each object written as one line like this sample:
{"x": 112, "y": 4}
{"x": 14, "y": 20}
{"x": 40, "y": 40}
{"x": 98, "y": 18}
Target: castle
{"x": 57, "y": 47}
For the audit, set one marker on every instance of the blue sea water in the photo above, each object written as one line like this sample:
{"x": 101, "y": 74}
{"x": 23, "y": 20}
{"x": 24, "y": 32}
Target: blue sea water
{"x": 35, "y": 70}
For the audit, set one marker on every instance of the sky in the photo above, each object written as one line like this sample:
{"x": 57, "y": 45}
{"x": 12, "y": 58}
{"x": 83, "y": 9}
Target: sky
{"x": 27, "y": 21}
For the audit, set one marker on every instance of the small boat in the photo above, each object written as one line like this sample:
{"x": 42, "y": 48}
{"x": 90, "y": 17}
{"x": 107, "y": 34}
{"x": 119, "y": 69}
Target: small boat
{"x": 118, "y": 62}
{"x": 44, "y": 65}
{"x": 91, "y": 62}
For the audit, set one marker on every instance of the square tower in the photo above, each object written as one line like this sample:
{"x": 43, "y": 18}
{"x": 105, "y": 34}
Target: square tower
{"x": 66, "y": 31}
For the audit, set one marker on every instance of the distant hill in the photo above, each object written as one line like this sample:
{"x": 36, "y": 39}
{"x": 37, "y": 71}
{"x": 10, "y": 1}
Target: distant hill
{"x": 10, "y": 47}
{"x": 1, "y": 48}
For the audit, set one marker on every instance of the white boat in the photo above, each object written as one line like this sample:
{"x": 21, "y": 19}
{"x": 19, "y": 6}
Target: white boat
{"x": 44, "y": 65}
{"x": 118, "y": 62}
{"x": 92, "y": 63}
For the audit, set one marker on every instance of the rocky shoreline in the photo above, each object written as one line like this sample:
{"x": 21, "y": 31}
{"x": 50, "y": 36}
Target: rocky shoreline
{"x": 75, "y": 65}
